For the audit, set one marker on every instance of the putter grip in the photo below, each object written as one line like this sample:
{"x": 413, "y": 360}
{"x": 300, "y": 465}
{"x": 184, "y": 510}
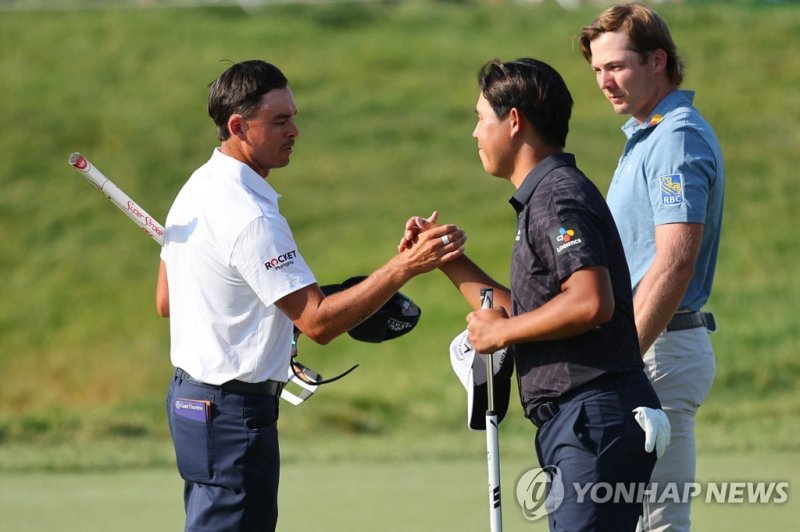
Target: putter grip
{"x": 487, "y": 300}
{"x": 487, "y": 297}
{"x": 119, "y": 198}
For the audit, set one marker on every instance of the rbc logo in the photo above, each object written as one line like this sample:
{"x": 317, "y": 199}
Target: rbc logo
{"x": 671, "y": 189}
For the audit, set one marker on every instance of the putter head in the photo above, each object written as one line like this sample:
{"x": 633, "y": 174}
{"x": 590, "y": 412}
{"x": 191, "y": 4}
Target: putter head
{"x": 395, "y": 318}
{"x": 301, "y": 384}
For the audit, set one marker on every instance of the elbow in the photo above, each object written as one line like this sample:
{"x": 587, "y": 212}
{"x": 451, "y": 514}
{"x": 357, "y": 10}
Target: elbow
{"x": 162, "y": 308}
{"x": 605, "y": 312}
{"x": 322, "y": 339}
{"x": 598, "y": 311}
{"x": 319, "y": 335}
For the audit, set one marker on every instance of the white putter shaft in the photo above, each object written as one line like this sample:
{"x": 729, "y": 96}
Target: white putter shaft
{"x": 156, "y": 231}
{"x": 492, "y": 439}
{"x": 139, "y": 216}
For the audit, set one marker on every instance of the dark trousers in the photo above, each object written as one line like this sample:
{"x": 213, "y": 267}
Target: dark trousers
{"x": 596, "y": 441}
{"x": 229, "y": 458}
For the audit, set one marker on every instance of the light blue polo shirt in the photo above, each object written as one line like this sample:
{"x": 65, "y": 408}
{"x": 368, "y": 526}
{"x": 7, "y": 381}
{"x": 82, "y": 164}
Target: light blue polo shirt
{"x": 671, "y": 171}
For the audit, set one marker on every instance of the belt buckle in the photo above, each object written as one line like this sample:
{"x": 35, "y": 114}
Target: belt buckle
{"x": 544, "y": 413}
{"x": 709, "y": 321}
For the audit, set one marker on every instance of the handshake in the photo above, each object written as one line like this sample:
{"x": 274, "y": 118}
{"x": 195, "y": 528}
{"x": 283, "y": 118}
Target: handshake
{"x": 417, "y": 225}
{"x": 425, "y": 245}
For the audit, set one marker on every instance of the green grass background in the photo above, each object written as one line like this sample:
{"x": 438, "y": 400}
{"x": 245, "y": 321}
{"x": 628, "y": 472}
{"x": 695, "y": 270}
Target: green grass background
{"x": 386, "y": 96}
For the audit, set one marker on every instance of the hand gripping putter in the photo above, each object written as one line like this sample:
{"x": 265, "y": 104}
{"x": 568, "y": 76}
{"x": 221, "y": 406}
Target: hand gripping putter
{"x": 492, "y": 442}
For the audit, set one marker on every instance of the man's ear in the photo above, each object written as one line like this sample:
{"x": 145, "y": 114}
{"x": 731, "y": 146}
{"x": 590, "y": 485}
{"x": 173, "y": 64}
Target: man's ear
{"x": 515, "y": 121}
{"x": 658, "y": 60}
{"x": 237, "y": 126}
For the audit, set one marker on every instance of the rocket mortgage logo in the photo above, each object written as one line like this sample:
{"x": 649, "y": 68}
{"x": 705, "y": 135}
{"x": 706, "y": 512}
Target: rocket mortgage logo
{"x": 281, "y": 261}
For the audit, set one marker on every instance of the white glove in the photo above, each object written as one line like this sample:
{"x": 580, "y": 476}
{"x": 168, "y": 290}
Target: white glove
{"x": 657, "y": 430}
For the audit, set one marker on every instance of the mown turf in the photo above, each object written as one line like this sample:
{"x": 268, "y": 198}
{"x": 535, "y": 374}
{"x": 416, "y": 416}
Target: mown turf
{"x": 386, "y": 96}
{"x": 425, "y": 495}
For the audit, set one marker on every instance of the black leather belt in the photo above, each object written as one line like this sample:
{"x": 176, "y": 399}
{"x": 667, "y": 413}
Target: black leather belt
{"x": 269, "y": 387}
{"x": 691, "y": 320}
{"x": 546, "y": 411}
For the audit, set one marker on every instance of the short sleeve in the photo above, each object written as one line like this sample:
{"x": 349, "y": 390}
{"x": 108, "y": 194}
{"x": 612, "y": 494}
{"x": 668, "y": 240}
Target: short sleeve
{"x": 266, "y": 256}
{"x": 680, "y": 177}
{"x": 569, "y": 235}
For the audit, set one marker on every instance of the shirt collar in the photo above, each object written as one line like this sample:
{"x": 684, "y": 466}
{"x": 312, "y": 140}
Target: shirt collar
{"x": 670, "y": 102}
{"x": 246, "y": 175}
{"x": 532, "y": 180}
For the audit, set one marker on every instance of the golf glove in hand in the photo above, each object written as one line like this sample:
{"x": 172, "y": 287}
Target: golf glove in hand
{"x": 657, "y": 431}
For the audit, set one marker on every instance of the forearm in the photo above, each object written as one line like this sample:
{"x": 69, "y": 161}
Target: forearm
{"x": 322, "y": 319}
{"x": 585, "y": 302}
{"x": 469, "y": 279}
{"x": 663, "y": 286}
{"x": 162, "y": 291}
{"x": 340, "y": 312}
{"x": 657, "y": 299}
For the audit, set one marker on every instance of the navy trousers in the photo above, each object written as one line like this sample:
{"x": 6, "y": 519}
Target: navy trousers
{"x": 597, "y": 446}
{"x": 227, "y": 455}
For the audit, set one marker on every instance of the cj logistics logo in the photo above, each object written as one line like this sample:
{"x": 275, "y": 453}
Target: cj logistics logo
{"x": 564, "y": 237}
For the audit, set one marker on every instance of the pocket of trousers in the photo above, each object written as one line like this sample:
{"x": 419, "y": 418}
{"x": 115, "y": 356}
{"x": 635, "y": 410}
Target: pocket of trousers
{"x": 192, "y": 441}
{"x": 260, "y": 414}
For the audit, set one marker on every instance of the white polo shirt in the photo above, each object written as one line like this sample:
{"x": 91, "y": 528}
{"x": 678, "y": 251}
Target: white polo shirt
{"x": 230, "y": 255}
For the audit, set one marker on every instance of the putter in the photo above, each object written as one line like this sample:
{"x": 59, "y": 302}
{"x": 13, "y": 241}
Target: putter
{"x": 492, "y": 441}
{"x": 303, "y": 379}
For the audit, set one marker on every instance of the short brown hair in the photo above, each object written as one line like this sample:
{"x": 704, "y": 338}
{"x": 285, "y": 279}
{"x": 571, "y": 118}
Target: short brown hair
{"x": 645, "y": 29}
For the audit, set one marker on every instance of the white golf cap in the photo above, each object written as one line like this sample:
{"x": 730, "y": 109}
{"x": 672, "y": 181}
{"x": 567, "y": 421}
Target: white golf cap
{"x": 470, "y": 368}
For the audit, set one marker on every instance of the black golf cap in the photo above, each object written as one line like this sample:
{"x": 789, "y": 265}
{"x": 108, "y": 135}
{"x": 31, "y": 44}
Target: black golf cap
{"x": 395, "y": 318}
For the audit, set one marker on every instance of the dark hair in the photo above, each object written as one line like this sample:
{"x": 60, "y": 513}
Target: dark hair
{"x": 646, "y": 31}
{"x": 239, "y": 90}
{"x": 535, "y": 89}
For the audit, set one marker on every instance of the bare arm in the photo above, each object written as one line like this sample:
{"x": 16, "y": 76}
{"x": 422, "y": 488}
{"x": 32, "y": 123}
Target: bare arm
{"x": 663, "y": 286}
{"x": 324, "y": 318}
{"x": 470, "y": 279}
{"x": 162, "y": 291}
{"x": 586, "y": 300}
{"x": 467, "y": 276}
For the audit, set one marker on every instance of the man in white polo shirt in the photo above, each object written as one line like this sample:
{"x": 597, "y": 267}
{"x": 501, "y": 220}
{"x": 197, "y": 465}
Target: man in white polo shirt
{"x": 234, "y": 284}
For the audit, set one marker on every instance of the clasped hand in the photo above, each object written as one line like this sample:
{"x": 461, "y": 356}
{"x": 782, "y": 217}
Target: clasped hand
{"x": 431, "y": 244}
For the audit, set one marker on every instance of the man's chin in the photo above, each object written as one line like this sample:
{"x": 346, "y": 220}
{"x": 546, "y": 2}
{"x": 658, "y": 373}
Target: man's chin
{"x": 620, "y": 108}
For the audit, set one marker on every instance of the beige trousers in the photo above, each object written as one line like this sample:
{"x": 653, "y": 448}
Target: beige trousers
{"x": 681, "y": 367}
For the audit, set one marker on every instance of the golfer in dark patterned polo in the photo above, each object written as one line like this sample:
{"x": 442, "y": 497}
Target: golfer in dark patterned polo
{"x": 570, "y": 304}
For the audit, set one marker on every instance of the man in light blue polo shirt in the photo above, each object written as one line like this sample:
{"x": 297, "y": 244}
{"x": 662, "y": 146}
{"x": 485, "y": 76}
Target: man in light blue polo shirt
{"x": 666, "y": 198}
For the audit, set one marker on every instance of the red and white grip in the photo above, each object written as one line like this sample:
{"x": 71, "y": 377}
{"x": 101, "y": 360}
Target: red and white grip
{"x": 132, "y": 209}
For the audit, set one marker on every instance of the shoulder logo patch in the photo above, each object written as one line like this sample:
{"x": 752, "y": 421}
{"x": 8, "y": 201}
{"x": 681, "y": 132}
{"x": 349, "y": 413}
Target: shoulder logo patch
{"x": 565, "y": 236}
{"x": 671, "y": 189}
{"x": 281, "y": 261}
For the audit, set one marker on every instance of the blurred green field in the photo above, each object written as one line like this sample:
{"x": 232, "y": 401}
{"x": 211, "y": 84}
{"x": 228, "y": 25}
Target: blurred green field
{"x": 386, "y": 96}
{"x": 441, "y": 496}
